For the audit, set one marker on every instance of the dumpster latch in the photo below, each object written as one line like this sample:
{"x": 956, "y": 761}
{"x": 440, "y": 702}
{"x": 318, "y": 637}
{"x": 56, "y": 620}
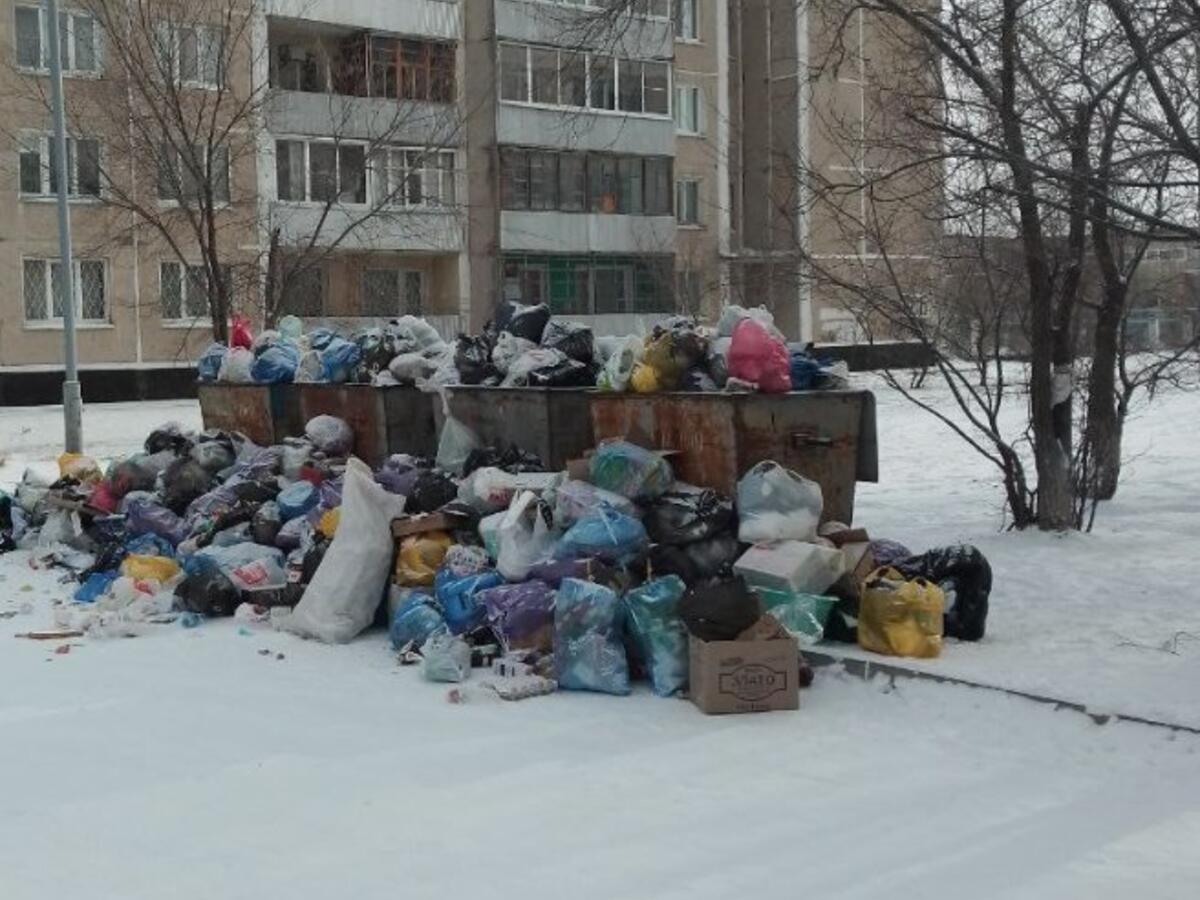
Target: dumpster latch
{"x": 810, "y": 438}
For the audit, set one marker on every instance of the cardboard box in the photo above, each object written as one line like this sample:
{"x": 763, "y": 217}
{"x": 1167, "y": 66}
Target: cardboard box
{"x": 426, "y": 522}
{"x": 859, "y": 564}
{"x": 744, "y": 676}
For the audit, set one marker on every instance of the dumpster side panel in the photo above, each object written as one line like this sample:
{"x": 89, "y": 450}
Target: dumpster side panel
{"x": 238, "y": 407}
{"x": 815, "y": 434}
{"x": 361, "y": 405}
{"x": 286, "y": 418}
{"x": 554, "y": 423}
{"x": 409, "y": 418}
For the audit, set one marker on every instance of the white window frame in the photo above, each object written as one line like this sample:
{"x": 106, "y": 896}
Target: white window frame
{"x": 598, "y": 5}
{"x": 76, "y": 287}
{"x": 172, "y": 202}
{"x": 168, "y": 37}
{"x": 392, "y": 194}
{"x": 182, "y": 320}
{"x": 403, "y": 273}
{"x": 677, "y": 20}
{"x": 696, "y": 92}
{"x": 26, "y": 142}
{"x": 338, "y": 145}
{"x": 69, "y": 61}
{"x": 588, "y": 56}
{"x": 680, "y": 185}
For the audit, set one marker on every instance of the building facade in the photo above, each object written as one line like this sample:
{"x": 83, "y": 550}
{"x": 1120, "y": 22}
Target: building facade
{"x": 432, "y": 157}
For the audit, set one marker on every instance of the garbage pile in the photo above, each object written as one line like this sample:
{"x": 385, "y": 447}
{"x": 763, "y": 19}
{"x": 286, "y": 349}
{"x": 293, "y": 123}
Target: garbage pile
{"x": 585, "y": 579}
{"x": 523, "y": 346}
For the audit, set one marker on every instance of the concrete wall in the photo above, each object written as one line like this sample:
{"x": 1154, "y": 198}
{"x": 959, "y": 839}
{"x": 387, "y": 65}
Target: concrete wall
{"x": 558, "y": 232}
{"x": 563, "y": 25}
{"x": 427, "y": 18}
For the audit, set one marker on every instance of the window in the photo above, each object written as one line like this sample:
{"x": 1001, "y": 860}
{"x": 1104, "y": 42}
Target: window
{"x": 78, "y": 41}
{"x": 38, "y": 166}
{"x": 572, "y": 78}
{"x": 688, "y": 109}
{"x": 686, "y": 20}
{"x": 514, "y": 72}
{"x": 403, "y": 69}
{"x": 629, "y": 177}
{"x": 526, "y": 283}
{"x": 602, "y": 183}
{"x": 572, "y": 182}
{"x": 630, "y": 79}
{"x": 298, "y": 68}
{"x": 42, "y": 293}
{"x": 409, "y": 177}
{"x": 192, "y": 55}
{"x": 190, "y": 177}
{"x": 604, "y": 85}
{"x": 575, "y": 182}
{"x": 387, "y": 293}
{"x": 687, "y": 201}
{"x": 543, "y": 67}
{"x": 658, "y": 187}
{"x": 514, "y": 178}
{"x": 320, "y": 171}
{"x": 657, "y": 78}
{"x": 612, "y": 289}
{"x": 184, "y": 291}
{"x": 543, "y": 180}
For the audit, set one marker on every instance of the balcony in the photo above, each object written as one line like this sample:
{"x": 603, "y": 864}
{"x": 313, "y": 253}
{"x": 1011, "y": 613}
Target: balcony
{"x": 402, "y": 230}
{"x": 376, "y": 119}
{"x": 582, "y": 129}
{"x": 561, "y": 232}
{"x": 427, "y": 18}
{"x": 567, "y": 25}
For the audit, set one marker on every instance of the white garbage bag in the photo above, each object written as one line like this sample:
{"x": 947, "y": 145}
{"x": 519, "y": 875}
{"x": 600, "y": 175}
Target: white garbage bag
{"x": 777, "y": 504}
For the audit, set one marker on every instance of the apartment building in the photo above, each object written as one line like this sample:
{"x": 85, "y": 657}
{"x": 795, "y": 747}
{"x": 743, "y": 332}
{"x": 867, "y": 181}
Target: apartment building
{"x": 431, "y": 156}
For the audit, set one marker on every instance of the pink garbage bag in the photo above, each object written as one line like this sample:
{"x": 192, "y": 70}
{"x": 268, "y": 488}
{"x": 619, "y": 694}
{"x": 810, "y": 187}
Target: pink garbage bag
{"x": 758, "y": 356}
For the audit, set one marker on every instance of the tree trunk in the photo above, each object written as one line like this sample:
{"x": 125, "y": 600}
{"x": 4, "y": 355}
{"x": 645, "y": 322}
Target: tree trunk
{"x": 1105, "y": 422}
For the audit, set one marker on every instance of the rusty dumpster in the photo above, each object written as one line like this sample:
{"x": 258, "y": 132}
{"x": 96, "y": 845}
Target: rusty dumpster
{"x": 554, "y": 423}
{"x": 385, "y": 420}
{"x": 265, "y": 413}
{"x": 828, "y": 436}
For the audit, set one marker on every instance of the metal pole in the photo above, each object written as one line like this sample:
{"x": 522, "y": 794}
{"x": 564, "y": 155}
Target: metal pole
{"x": 72, "y": 400}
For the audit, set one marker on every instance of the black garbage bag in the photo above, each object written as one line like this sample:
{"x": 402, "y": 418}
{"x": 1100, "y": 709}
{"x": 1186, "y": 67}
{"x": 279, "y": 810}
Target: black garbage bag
{"x": 376, "y": 350}
{"x": 184, "y": 481}
{"x": 720, "y": 610}
{"x": 168, "y": 437}
{"x": 511, "y": 459}
{"x": 255, "y": 492}
{"x": 265, "y": 525}
{"x": 965, "y": 576}
{"x": 473, "y": 358}
{"x": 571, "y": 338}
{"x": 522, "y": 321}
{"x": 568, "y": 373}
{"x": 697, "y": 380}
{"x": 132, "y": 474}
{"x": 680, "y": 518}
{"x": 431, "y": 490}
{"x": 711, "y": 558}
{"x": 209, "y": 593}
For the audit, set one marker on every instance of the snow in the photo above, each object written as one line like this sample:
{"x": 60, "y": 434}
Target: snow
{"x": 189, "y": 764}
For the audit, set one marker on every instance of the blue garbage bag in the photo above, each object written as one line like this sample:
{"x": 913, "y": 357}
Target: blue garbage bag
{"x": 603, "y": 534}
{"x": 339, "y": 359}
{"x": 457, "y": 596}
{"x": 94, "y": 587}
{"x": 804, "y": 370}
{"x": 319, "y": 338}
{"x": 297, "y": 499}
{"x": 653, "y": 610}
{"x": 629, "y": 470}
{"x": 276, "y": 364}
{"x": 209, "y": 364}
{"x": 588, "y": 652}
{"x": 416, "y": 620}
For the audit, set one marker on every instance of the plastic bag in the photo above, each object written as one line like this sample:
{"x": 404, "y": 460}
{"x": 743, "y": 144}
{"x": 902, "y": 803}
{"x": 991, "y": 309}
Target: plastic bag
{"x": 462, "y": 559}
{"x": 776, "y": 504}
{"x": 327, "y": 525}
{"x": 290, "y": 328}
{"x": 458, "y": 597}
{"x": 512, "y": 459}
{"x": 654, "y": 621}
{"x": 263, "y": 573}
{"x": 329, "y": 434}
{"x": 212, "y": 456}
{"x": 308, "y": 369}
{"x": 629, "y": 470}
{"x": 803, "y": 370}
{"x": 719, "y": 611}
{"x": 79, "y": 467}
{"x": 208, "y": 366}
{"x": 588, "y": 652}
{"x": 575, "y": 340}
{"x": 239, "y": 332}
{"x": 430, "y": 491}
{"x": 473, "y": 358}
{"x": 567, "y": 373}
{"x": 208, "y": 593}
{"x": 803, "y": 615}
{"x": 530, "y": 361}
{"x": 757, "y": 356}
{"x": 965, "y": 577}
{"x": 522, "y": 615}
{"x": 415, "y": 621}
{"x": 184, "y": 481}
{"x": 717, "y": 363}
{"x": 349, "y": 585}
{"x": 679, "y": 517}
{"x": 235, "y": 367}
{"x": 619, "y": 366}
{"x": 455, "y": 443}
{"x": 275, "y": 365}
{"x": 489, "y": 532}
{"x": 265, "y": 525}
{"x": 700, "y": 560}
{"x": 338, "y": 360}
{"x": 523, "y": 538}
{"x": 160, "y": 568}
{"x": 575, "y": 499}
{"x": 528, "y": 322}
{"x": 419, "y": 558}
{"x": 899, "y": 617}
{"x": 508, "y": 348}
{"x": 409, "y": 368}
{"x": 645, "y": 379}
{"x": 416, "y": 331}
{"x": 297, "y": 499}
{"x": 446, "y": 658}
{"x": 733, "y": 314}
{"x": 134, "y": 473}
{"x": 697, "y": 380}
{"x": 147, "y": 517}
{"x": 604, "y": 534}
{"x": 94, "y": 587}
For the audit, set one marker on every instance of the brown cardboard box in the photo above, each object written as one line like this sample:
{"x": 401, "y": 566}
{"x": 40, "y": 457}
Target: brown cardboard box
{"x": 744, "y": 676}
{"x": 859, "y": 564}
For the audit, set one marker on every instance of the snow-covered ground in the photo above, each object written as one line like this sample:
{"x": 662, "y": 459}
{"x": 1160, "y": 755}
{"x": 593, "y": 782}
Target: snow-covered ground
{"x": 191, "y": 763}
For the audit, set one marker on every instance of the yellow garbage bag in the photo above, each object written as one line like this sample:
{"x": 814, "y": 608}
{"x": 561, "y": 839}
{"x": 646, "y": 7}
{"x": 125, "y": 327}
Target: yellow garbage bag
{"x": 328, "y": 523}
{"x": 898, "y": 617}
{"x": 82, "y": 468}
{"x": 419, "y": 558}
{"x": 144, "y": 567}
{"x": 644, "y": 379}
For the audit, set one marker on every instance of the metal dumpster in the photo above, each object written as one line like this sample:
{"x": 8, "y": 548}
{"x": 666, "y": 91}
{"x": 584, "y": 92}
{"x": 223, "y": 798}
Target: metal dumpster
{"x": 265, "y": 413}
{"x": 554, "y": 423}
{"x": 360, "y": 405}
{"x": 828, "y": 436}
{"x": 408, "y": 414}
